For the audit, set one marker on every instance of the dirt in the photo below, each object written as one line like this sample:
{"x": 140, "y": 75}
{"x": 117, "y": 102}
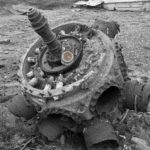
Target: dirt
{"x": 134, "y": 37}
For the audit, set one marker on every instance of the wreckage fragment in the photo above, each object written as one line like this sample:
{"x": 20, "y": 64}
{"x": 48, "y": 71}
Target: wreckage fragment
{"x": 58, "y": 51}
{"x": 136, "y": 95}
{"x": 109, "y": 28}
{"x": 20, "y": 107}
{"x": 73, "y": 86}
{"x": 40, "y": 25}
{"x": 76, "y": 73}
{"x": 100, "y": 133}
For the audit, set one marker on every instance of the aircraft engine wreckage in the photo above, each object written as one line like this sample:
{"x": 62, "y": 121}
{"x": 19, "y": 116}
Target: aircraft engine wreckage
{"x": 74, "y": 77}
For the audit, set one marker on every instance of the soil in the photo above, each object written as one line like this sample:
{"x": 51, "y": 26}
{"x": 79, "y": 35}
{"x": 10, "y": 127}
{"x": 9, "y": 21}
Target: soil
{"x": 16, "y": 31}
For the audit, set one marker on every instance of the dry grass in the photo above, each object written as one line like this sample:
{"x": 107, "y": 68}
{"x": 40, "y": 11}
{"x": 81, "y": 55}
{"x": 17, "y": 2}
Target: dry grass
{"x": 13, "y": 131}
{"x": 43, "y": 4}
{"x": 50, "y": 4}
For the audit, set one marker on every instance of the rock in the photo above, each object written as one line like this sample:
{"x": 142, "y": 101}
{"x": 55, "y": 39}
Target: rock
{"x": 5, "y": 41}
{"x": 6, "y": 52}
{"x": 2, "y": 66}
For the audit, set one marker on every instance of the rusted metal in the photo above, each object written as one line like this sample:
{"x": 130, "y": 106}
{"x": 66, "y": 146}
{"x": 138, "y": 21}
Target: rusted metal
{"x": 100, "y": 133}
{"x": 111, "y": 28}
{"x": 93, "y": 79}
{"x": 50, "y": 129}
{"x": 40, "y": 25}
{"x": 145, "y": 97}
{"x": 53, "y": 126}
{"x": 70, "y": 44}
{"x": 75, "y": 94}
{"x": 136, "y": 95}
{"x": 89, "y": 82}
{"x": 74, "y": 88}
{"x": 132, "y": 92}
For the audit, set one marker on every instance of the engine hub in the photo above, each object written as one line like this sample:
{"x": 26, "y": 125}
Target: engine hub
{"x": 70, "y": 56}
{"x": 72, "y": 71}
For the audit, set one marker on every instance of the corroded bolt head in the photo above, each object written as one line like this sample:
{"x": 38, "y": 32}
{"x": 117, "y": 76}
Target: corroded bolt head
{"x": 51, "y": 80}
{"x": 84, "y": 85}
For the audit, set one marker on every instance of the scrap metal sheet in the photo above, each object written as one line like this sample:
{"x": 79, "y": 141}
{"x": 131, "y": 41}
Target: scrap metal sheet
{"x": 89, "y": 3}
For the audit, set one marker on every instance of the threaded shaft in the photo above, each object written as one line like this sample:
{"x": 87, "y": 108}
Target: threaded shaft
{"x": 40, "y": 25}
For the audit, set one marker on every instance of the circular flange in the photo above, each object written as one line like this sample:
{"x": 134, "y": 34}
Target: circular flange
{"x": 70, "y": 59}
{"x": 67, "y": 57}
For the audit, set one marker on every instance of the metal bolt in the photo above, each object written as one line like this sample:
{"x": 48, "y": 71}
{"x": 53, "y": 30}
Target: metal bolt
{"x": 51, "y": 81}
{"x": 37, "y": 51}
{"x": 92, "y": 109}
{"x": 47, "y": 88}
{"x": 62, "y": 32}
{"x": 60, "y": 78}
{"x": 31, "y": 59}
{"x": 33, "y": 81}
{"x": 30, "y": 74}
{"x": 56, "y": 98}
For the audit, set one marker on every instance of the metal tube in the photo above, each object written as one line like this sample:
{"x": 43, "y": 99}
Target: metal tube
{"x": 40, "y": 25}
{"x": 98, "y": 133}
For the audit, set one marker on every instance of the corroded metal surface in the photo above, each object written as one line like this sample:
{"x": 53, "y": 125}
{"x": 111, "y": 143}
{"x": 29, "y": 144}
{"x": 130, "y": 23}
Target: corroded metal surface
{"x": 136, "y": 95}
{"x": 99, "y": 132}
{"x": 84, "y": 85}
{"x": 40, "y": 25}
{"x": 111, "y": 29}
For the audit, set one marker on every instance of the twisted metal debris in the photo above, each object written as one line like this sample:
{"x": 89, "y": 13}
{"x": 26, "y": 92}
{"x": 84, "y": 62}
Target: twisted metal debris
{"x": 75, "y": 78}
